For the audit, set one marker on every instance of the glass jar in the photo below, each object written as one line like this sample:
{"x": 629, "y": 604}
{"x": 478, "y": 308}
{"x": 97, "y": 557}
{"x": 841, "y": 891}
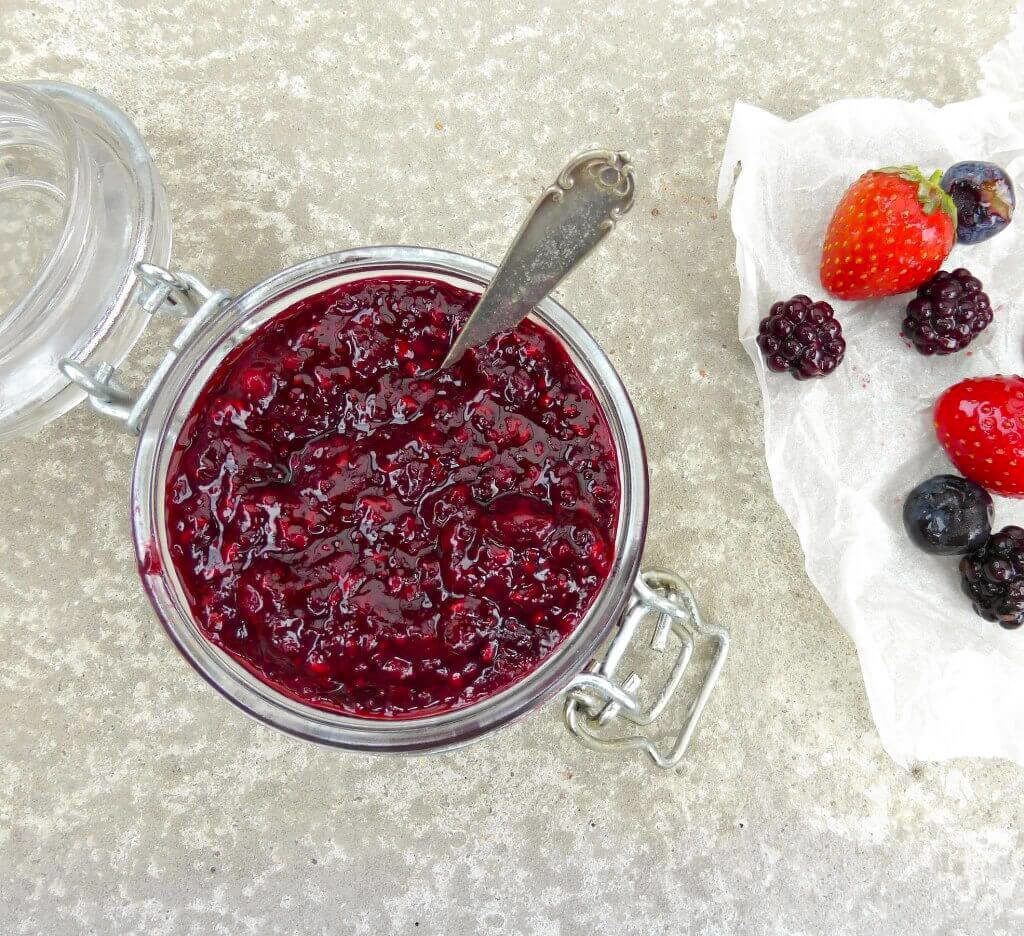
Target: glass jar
{"x": 603, "y": 711}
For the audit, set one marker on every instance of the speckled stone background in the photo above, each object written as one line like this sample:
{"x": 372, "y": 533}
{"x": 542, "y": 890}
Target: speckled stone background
{"x": 134, "y": 800}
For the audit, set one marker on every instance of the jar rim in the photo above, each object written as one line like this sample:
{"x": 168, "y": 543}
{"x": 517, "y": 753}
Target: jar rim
{"x": 232, "y": 324}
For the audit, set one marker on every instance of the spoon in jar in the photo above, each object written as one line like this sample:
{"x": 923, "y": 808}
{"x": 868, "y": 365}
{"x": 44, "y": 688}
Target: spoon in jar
{"x": 569, "y": 220}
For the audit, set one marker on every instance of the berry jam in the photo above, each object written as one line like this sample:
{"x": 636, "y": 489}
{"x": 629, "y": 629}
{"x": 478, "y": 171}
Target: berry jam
{"x": 371, "y": 540}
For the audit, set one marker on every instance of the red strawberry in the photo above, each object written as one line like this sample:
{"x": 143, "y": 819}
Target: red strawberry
{"x": 890, "y": 232}
{"x": 980, "y": 424}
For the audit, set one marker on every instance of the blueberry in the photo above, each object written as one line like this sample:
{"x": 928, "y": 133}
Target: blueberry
{"x": 948, "y": 515}
{"x": 983, "y": 195}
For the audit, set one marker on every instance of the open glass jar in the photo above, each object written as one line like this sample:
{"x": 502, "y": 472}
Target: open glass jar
{"x": 601, "y": 709}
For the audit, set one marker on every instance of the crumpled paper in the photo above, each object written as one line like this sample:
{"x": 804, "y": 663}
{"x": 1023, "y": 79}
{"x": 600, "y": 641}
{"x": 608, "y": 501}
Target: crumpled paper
{"x": 844, "y": 451}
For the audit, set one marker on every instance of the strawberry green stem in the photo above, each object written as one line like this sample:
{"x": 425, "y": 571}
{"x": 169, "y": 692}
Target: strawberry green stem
{"x": 930, "y": 194}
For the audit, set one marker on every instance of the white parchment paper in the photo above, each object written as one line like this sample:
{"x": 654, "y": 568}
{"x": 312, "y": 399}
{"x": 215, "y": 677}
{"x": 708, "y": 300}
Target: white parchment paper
{"x": 844, "y": 451}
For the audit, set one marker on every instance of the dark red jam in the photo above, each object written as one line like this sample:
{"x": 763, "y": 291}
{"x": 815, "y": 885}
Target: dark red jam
{"x": 375, "y": 541}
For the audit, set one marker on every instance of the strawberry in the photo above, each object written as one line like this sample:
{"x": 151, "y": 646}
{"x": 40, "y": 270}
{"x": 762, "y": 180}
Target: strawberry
{"x": 980, "y": 424}
{"x": 889, "y": 234}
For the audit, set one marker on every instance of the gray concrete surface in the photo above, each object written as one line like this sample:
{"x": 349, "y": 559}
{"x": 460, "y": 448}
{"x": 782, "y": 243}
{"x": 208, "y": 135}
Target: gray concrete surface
{"x": 134, "y": 800}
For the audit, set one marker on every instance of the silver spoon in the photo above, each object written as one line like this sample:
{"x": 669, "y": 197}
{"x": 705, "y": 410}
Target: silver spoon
{"x": 569, "y": 220}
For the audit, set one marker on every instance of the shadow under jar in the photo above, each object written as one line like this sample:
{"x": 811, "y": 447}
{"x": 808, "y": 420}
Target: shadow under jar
{"x": 602, "y": 709}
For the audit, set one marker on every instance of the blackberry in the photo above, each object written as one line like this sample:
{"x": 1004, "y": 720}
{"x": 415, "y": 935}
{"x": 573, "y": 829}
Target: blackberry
{"x": 993, "y": 578}
{"x": 803, "y": 337}
{"x": 948, "y": 313}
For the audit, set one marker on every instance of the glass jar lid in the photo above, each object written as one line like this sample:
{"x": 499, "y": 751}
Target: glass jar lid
{"x": 80, "y": 205}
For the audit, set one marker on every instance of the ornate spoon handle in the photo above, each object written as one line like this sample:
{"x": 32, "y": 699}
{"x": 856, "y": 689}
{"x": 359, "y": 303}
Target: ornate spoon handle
{"x": 569, "y": 219}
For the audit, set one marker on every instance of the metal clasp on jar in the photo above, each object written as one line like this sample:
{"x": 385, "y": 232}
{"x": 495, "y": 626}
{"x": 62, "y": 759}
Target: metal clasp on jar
{"x": 156, "y": 290}
{"x": 596, "y": 703}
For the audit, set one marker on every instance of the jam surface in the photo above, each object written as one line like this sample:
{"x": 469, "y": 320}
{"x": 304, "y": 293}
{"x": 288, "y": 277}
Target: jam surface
{"x": 375, "y": 541}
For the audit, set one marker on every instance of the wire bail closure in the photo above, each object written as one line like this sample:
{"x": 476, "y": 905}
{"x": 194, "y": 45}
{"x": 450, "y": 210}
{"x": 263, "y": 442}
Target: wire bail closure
{"x": 157, "y": 290}
{"x": 595, "y": 701}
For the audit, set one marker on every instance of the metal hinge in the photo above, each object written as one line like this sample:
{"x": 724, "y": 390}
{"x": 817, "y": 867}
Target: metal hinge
{"x": 156, "y": 290}
{"x": 596, "y": 703}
